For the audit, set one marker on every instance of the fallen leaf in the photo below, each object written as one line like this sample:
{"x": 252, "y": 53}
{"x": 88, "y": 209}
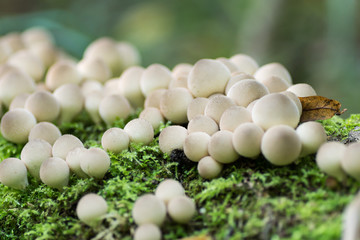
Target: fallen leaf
{"x": 319, "y": 108}
{"x": 203, "y": 237}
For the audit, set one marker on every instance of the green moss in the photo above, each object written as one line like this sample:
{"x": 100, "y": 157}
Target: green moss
{"x": 251, "y": 200}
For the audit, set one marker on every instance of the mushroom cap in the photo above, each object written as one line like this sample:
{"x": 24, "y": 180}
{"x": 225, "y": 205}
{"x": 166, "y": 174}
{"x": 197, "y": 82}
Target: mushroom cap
{"x": 64, "y": 144}
{"x": 230, "y": 65}
{"x": 147, "y": 232}
{"x": 172, "y": 137}
{"x": 221, "y": 147}
{"x": 247, "y": 140}
{"x": 14, "y": 40}
{"x": 129, "y": 55}
{"x": 209, "y": 168}
{"x": 149, "y": 209}
{"x": 202, "y": 123}
{"x": 295, "y": 99}
{"x": 181, "y": 69}
{"x": 273, "y": 69}
{"x": 115, "y": 140}
{"x": 36, "y": 35}
{"x": 90, "y": 208}
{"x": 275, "y": 84}
{"x": 34, "y": 153}
{"x": 179, "y": 81}
{"x": 46, "y": 131}
{"x": 153, "y": 99}
{"x": 169, "y": 189}
{"x": 94, "y": 68}
{"x": 155, "y": 76}
{"x": 129, "y": 86}
{"x": 54, "y": 172}
{"x": 235, "y": 79}
{"x": 46, "y": 52}
{"x": 114, "y": 106}
{"x": 233, "y": 117}
{"x": 328, "y": 159}
{"x": 89, "y": 86}
{"x": 208, "y": 77}
{"x": 174, "y": 103}
{"x": 350, "y": 161}
{"x": 181, "y": 209}
{"x": 16, "y": 125}
{"x": 13, "y": 173}
{"x": 19, "y": 101}
{"x": 275, "y": 109}
{"x": 312, "y": 136}
{"x": 43, "y": 105}
{"x": 111, "y": 86}
{"x": 95, "y": 162}
{"x": 281, "y": 145}
{"x": 73, "y": 159}
{"x": 5, "y": 52}
{"x": 245, "y": 63}
{"x": 92, "y": 103}
{"x": 217, "y": 105}
{"x": 196, "y": 107}
{"x": 140, "y": 131}
{"x": 60, "y": 73}
{"x": 196, "y": 146}
{"x": 153, "y": 115}
{"x": 246, "y": 91}
{"x": 302, "y": 90}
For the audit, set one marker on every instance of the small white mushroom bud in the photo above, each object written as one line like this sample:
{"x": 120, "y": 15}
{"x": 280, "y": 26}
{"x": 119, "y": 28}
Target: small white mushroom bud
{"x": 273, "y": 69}
{"x": 351, "y": 221}
{"x": 46, "y": 131}
{"x": 92, "y": 105}
{"x": 302, "y": 90}
{"x": 129, "y": 54}
{"x": 350, "y": 160}
{"x": 129, "y": 86}
{"x": 235, "y": 79}
{"x": 19, "y": 101}
{"x": 245, "y": 63}
{"x": 281, "y": 145}
{"x": 181, "y": 69}
{"x": 46, "y": 52}
{"x": 196, "y": 107}
{"x": 34, "y": 153}
{"x": 54, "y": 172}
{"x": 202, "y": 123}
{"x": 179, "y": 81}
{"x": 36, "y": 35}
{"x": 233, "y": 117}
{"x": 43, "y": 105}
{"x": 174, "y": 103}
{"x": 275, "y": 84}
{"x": 153, "y": 99}
{"x": 90, "y": 208}
{"x": 94, "y": 68}
{"x": 246, "y": 91}
{"x": 5, "y": 52}
{"x": 115, "y": 140}
{"x": 196, "y": 146}
{"x": 230, "y": 65}
{"x": 96, "y": 163}
{"x": 295, "y": 99}
{"x": 181, "y": 209}
{"x": 139, "y": 131}
{"x": 209, "y": 168}
{"x": 221, "y": 148}
{"x": 65, "y": 144}
{"x": 16, "y": 125}
{"x": 147, "y": 232}
{"x": 149, "y": 209}
{"x": 155, "y": 76}
{"x": 73, "y": 159}
{"x": 328, "y": 159}
{"x": 60, "y": 73}
{"x": 169, "y": 189}
{"x": 14, "y": 40}
{"x": 114, "y": 106}
{"x": 217, "y": 105}
{"x": 312, "y": 136}
{"x": 153, "y": 115}
{"x": 13, "y": 173}
{"x": 172, "y": 137}
{"x": 111, "y": 86}
{"x": 89, "y": 86}
{"x": 247, "y": 140}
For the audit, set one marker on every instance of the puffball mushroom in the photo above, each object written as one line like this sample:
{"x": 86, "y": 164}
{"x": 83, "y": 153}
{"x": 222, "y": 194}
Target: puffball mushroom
{"x": 65, "y": 144}
{"x": 230, "y": 65}
{"x": 34, "y": 153}
{"x": 247, "y": 140}
{"x": 235, "y": 79}
{"x": 328, "y": 159}
{"x": 196, "y": 146}
{"x": 111, "y": 86}
{"x": 312, "y": 136}
{"x": 217, "y": 105}
{"x": 302, "y": 90}
{"x": 71, "y": 101}
{"x": 16, "y": 125}
{"x": 274, "y": 109}
{"x": 149, "y": 209}
{"x": 281, "y": 145}
{"x": 295, "y": 99}
{"x": 114, "y": 106}
{"x": 89, "y": 86}
{"x": 273, "y": 69}
{"x": 172, "y": 137}
{"x": 246, "y": 91}
{"x": 43, "y": 105}
{"x": 202, "y": 123}
{"x": 129, "y": 86}
{"x": 46, "y": 52}
{"x": 221, "y": 147}
{"x": 46, "y": 131}
{"x": 115, "y": 140}
{"x": 208, "y": 77}
{"x": 73, "y": 159}
{"x": 94, "y": 68}
{"x": 95, "y": 163}
{"x": 169, "y": 189}
{"x": 92, "y": 105}
{"x": 5, "y": 52}
{"x": 153, "y": 99}
{"x": 13, "y": 173}
{"x": 350, "y": 161}
{"x": 181, "y": 69}
{"x": 275, "y": 84}
{"x": 147, "y": 232}
{"x": 245, "y": 63}
{"x": 90, "y": 208}
{"x": 19, "y": 101}
{"x": 351, "y": 221}
{"x": 36, "y": 35}
{"x": 181, "y": 209}
{"x": 14, "y": 40}
{"x": 233, "y": 117}
{"x": 174, "y": 103}
{"x": 209, "y": 168}
{"x": 129, "y": 54}
{"x": 60, "y": 73}
{"x": 196, "y": 107}
{"x": 139, "y": 131}
{"x": 155, "y": 76}
{"x": 54, "y": 172}
{"x": 153, "y": 115}
{"x": 179, "y": 81}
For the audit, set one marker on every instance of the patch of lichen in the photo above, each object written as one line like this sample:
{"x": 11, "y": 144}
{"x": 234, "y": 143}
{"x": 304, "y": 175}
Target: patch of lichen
{"x": 252, "y": 199}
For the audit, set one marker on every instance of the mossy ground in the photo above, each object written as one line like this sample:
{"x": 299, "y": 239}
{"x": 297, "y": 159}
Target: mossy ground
{"x": 251, "y": 200}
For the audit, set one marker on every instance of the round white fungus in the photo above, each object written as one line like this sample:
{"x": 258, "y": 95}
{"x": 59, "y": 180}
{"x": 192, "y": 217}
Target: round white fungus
{"x": 245, "y": 63}
{"x": 302, "y": 90}
{"x": 43, "y": 105}
{"x": 202, "y": 123}
{"x": 209, "y": 168}
{"x": 233, "y": 117}
{"x": 60, "y": 73}
{"x": 95, "y": 163}
{"x": 54, "y": 172}
{"x": 235, "y": 79}
{"x": 246, "y": 91}
{"x": 73, "y": 159}
{"x": 273, "y": 69}
{"x": 169, "y": 189}
{"x": 94, "y": 68}
{"x": 90, "y": 208}
{"x": 139, "y": 131}
{"x": 46, "y": 131}
{"x": 217, "y": 105}
{"x": 147, "y": 232}
{"x": 155, "y": 76}
{"x": 221, "y": 148}
{"x": 153, "y": 99}
{"x": 196, "y": 146}
{"x": 129, "y": 86}
{"x": 115, "y": 140}
{"x": 196, "y": 107}
{"x": 13, "y": 173}
{"x": 181, "y": 209}
{"x": 172, "y": 137}
{"x": 153, "y": 115}
{"x": 114, "y": 106}
{"x": 149, "y": 209}
{"x": 19, "y": 101}
{"x": 174, "y": 103}
{"x": 247, "y": 140}
{"x": 350, "y": 160}
{"x": 65, "y": 144}
{"x": 312, "y": 136}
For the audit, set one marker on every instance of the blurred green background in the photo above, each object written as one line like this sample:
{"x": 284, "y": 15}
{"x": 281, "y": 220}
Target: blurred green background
{"x": 318, "y": 41}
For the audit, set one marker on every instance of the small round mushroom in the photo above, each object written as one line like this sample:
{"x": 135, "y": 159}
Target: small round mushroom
{"x": 196, "y": 107}
{"x": 13, "y": 173}
{"x": 149, "y": 209}
{"x": 92, "y": 105}
{"x": 54, "y": 172}
{"x": 153, "y": 99}
{"x": 16, "y": 125}
{"x": 245, "y": 63}
{"x": 246, "y": 91}
{"x": 95, "y": 163}
{"x": 221, "y": 147}
{"x": 90, "y": 208}
{"x": 275, "y": 84}
{"x": 169, "y": 189}
{"x": 89, "y": 86}
{"x": 208, "y": 77}
{"x": 129, "y": 86}
{"x": 328, "y": 159}
{"x": 153, "y": 115}
{"x": 94, "y": 68}
{"x": 114, "y": 106}
{"x": 312, "y": 136}
{"x": 14, "y": 40}
{"x": 217, "y": 105}
{"x": 230, "y": 65}
{"x": 172, "y": 137}
{"x": 155, "y": 76}
{"x": 43, "y": 105}
{"x": 179, "y": 81}
{"x": 129, "y": 55}
{"x": 181, "y": 69}
{"x": 247, "y": 140}
{"x": 46, "y": 131}
{"x": 273, "y": 69}
{"x": 181, "y": 209}
{"x": 5, "y": 52}
{"x": 235, "y": 79}
{"x": 46, "y": 52}
{"x": 233, "y": 117}
{"x": 115, "y": 140}
{"x": 209, "y": 168}
{"x": 281, "y": 145}
{"x": 34, "y": 153}
{"x": 60, "y": 73}
{"x": 147, "y": 232}
{"x": 111, "y": 86}
{"x": 350, "y": 160}
{"x": 19, "y": 101}
{"x": 196, "y": 146}
{"x": 140, "y": 131}
{"x": 65, "y": 144}
{"x": 295, "y": 99}
{"x": 202, "y": 123}
{"x": 73, "y": 159}
{"x": 302, "y": 90}
{"x": 36, "y": 35}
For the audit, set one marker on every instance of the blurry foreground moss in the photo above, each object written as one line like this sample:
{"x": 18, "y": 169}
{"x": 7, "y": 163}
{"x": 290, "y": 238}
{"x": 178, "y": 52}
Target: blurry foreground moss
{"x": 251, "y": 200}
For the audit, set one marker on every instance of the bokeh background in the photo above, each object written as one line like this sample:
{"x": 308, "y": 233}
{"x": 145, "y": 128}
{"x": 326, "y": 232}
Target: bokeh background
{"x": 318, "y": 41}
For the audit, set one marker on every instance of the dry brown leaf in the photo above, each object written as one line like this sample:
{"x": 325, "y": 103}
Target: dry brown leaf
{"x": 319, "y": 108}
{"x": 203, "y": 237}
